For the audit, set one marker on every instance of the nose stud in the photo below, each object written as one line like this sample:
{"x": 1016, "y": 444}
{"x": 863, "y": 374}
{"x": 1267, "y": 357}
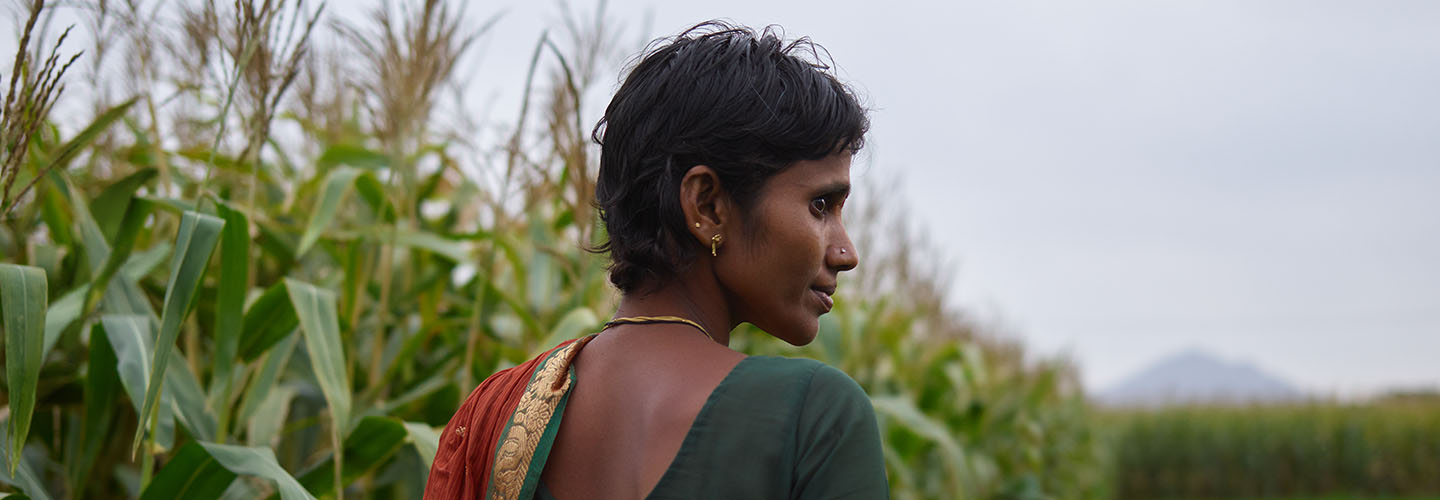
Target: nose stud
{"x": 842, "y": 250}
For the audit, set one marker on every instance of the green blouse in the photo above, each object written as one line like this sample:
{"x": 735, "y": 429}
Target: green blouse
{"x": 778, "y": 428}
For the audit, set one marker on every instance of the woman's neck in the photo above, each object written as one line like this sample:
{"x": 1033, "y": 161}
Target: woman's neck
{"x": 689, "y": 296}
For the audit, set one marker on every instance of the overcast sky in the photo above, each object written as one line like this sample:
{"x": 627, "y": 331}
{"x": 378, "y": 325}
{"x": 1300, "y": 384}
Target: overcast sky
{"x": 1122, "y": 180}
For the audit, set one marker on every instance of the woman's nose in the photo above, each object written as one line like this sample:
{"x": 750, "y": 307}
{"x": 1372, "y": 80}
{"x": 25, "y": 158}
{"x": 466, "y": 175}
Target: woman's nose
{"x": 841, "y": 255}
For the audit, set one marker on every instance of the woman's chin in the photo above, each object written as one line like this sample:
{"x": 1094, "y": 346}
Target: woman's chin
{"x": 799, "y": 335}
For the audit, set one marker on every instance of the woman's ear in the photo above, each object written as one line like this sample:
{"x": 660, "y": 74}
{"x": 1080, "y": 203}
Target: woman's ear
{"x": 705, "y": 203}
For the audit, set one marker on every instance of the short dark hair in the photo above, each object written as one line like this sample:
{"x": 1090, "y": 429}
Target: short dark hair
{"x": 747, "y": 104}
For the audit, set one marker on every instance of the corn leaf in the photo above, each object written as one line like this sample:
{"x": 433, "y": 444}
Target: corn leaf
{"x": 352, "y": 155}
{"x": 269, "y": 319}
{"x": 173, "y": 205}
{"x": 43, "y": 256}
{"x": 337, "y": 184}
{"x": 195, "y": 242}
{"x": 191, "y": 474}
{"x": 130, "y": 225}
{"x": 53, "y": 211}
{"x": 82, "y": 140}
{"x": 373, "y": 441}
{"x": 143, "y": 263}
{"x": 183, "y": 391}
{"x": 110, "y": 205}
{"x": 101, "y": 384}
{"x": 63, "y": 313}
{"x": 23, "y": 293}
{"x": 902, "y": 411}
{"x": 133, "y": 340}
{"x": 320, "y": 329}
{"x": 578, "y": 321}
{"x": 373, "y": 192}
{"x": 26, "y": 480}
{"x": 543, "y": 271}
{"x": 258, "y": 462}
{"x": 229, "y": 307}
{"x": 444, "y": 247}
{"x": 426, "y": 440}
{"x": 270, "y": 369}
{"x": 121, "y": 296}
{"x": 269, "y": 418}
{"x": 207, "y": 469}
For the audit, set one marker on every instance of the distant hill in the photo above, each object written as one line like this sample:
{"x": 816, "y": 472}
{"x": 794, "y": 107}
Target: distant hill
{"x": 1195, "y": 376}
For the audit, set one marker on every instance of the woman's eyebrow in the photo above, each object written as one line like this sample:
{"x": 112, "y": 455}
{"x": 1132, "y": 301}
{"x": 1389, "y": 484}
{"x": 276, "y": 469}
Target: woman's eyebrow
{"x": 841, "y": 188}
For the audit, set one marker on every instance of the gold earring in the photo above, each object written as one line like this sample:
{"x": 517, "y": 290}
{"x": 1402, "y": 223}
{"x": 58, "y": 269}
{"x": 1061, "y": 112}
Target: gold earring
{"x": 697, "y": 225}
{"x": 715, "y": 245}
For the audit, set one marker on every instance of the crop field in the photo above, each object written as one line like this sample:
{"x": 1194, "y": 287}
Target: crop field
{"x": 1378, "y": 450}
{"x": 269, "y": 259}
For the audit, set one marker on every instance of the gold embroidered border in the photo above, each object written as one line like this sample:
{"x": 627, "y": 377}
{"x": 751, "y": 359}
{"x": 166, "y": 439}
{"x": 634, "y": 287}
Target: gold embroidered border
{"x": 527, "y": 425}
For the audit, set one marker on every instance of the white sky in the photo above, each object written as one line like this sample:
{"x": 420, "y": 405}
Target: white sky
{"x": 1122, "y": 180}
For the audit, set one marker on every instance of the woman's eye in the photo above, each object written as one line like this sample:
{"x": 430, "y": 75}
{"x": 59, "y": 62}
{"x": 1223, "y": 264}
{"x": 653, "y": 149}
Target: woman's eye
{"x": 819, "y": 205}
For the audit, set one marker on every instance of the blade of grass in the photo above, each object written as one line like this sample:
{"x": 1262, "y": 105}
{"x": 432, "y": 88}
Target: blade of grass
{"x": 22, "y": 301}
{"x": 195, "y": 242}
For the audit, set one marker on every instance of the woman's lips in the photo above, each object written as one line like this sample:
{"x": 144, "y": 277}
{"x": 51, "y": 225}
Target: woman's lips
{"x": 825, "y": 299}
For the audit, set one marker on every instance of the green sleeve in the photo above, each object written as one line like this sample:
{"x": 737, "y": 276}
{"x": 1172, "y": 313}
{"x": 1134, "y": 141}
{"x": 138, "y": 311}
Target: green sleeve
{"x": 838, "y": 442}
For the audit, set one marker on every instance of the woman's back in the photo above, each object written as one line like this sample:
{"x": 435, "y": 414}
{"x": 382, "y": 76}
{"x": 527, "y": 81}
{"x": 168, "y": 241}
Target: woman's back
{"x": 635, "y": 396}
{"x": 770, "y": 428}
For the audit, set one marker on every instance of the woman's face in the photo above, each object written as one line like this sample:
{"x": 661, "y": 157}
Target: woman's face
{"x": 780, "y": 269}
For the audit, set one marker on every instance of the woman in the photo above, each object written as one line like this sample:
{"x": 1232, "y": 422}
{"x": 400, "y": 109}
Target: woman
{"x": 725, "y": 163}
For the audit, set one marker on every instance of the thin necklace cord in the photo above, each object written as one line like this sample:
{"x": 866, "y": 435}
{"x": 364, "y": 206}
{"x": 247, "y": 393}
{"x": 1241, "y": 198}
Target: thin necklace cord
{"x": 650, "y": 320}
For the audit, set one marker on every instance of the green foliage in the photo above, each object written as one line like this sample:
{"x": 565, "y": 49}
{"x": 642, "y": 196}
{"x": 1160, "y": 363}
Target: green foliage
{"x": 1372, "y": 451}
{"x": 22, "y": 305}
{"x": 368, "y": 278}
{"x": 197, "y": 237}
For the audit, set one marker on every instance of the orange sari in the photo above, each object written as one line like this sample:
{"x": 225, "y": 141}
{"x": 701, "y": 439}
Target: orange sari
{"x": 497, "y": 442}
